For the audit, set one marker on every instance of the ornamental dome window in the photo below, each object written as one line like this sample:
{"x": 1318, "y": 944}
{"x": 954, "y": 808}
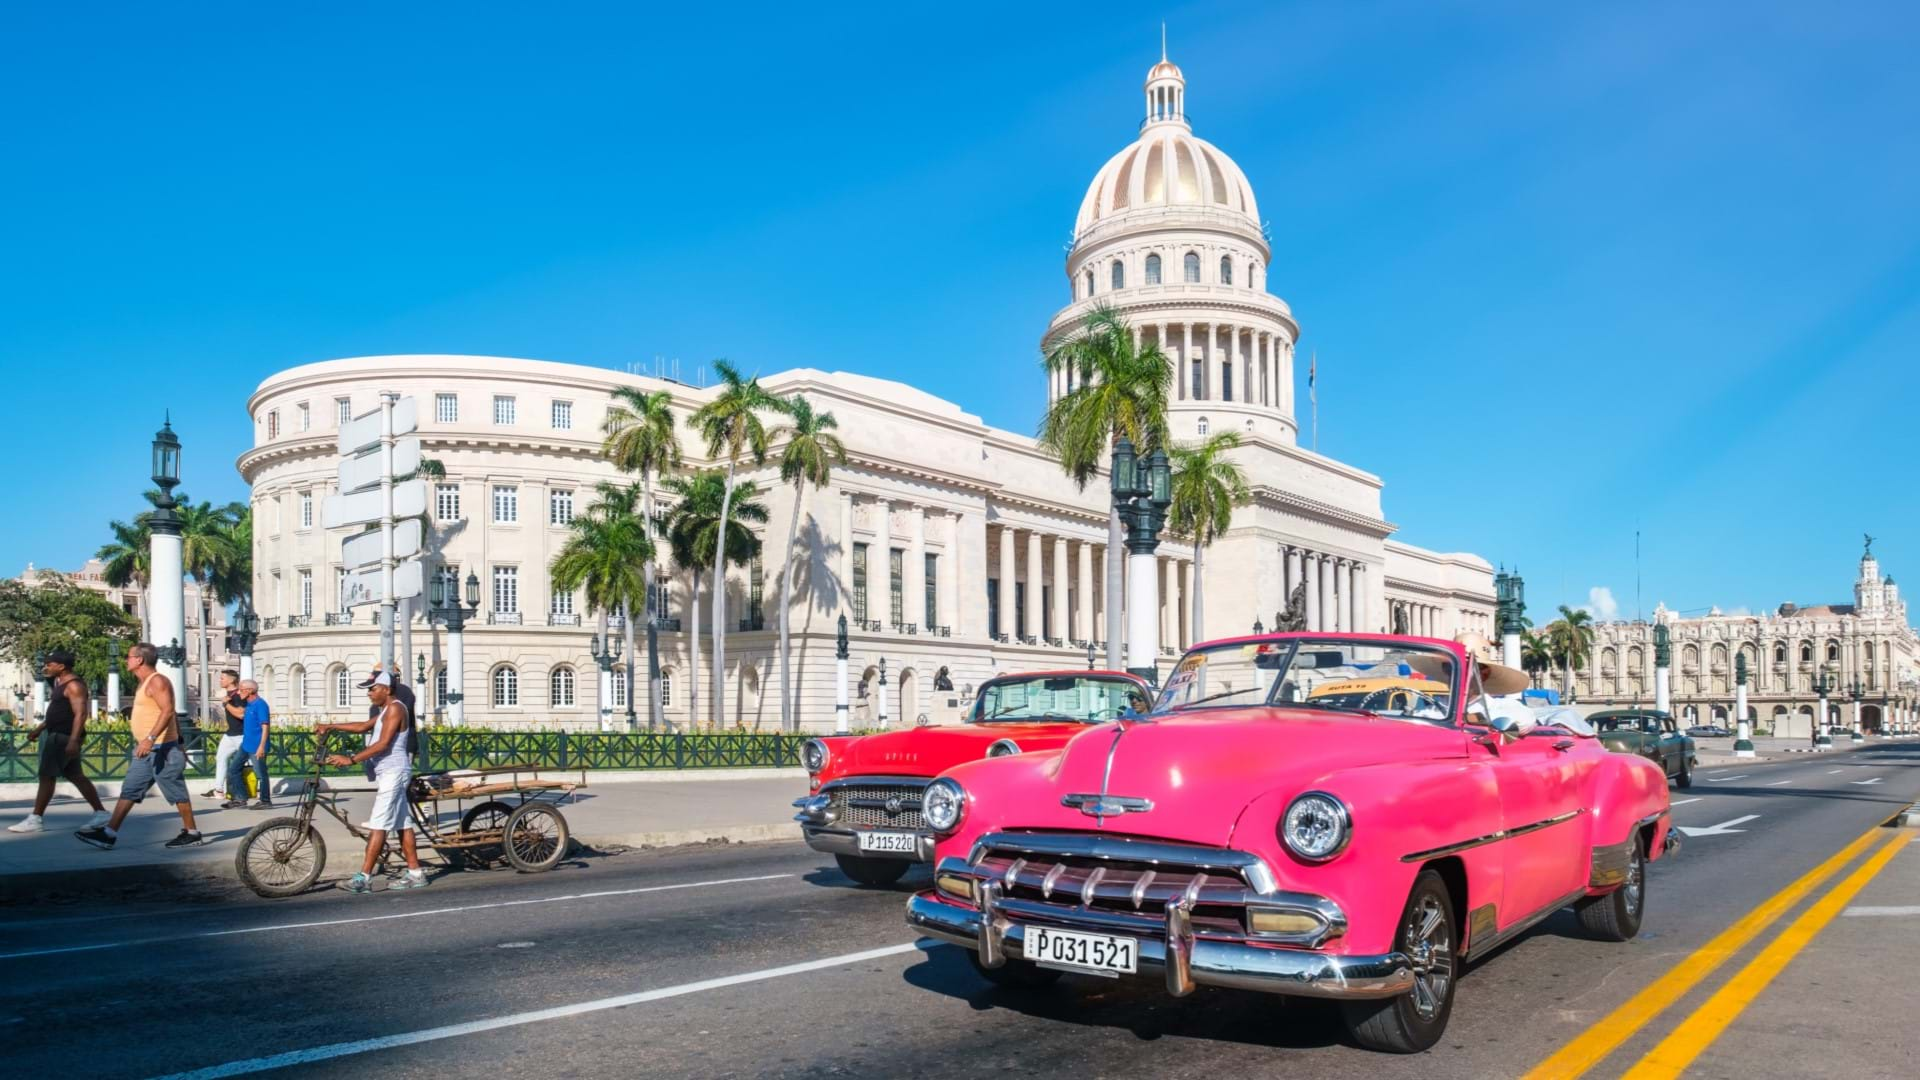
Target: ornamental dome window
{"x": 1201, "y": 428}
{"x": 1153, "y": 269}
{"x": 1119, "y": 274}
{"x": 1226, "y": 270}
{"x": 1192, "y": 266}
{"x": 1089, "y": 284}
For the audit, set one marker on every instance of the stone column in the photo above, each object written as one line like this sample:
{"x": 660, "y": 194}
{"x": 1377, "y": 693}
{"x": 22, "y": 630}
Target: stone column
{"x": 914, "y": 576}
{"x": 1036, "y": 579}
{"x": 1083, "y": 611}
{"x": 880, "y": 564}
{"x": 947, "y": 584}
{"x": 1342, "y": 593}
{"x": 1005, "y": 588}
{"x": 1186, "y": 637}
{"x": 1186, "y": 361}
{"x": 1310, "y": 573}
{"x": 1329, "y": 602}
{"x": 1060, "y": 589}
{"x": 1362, "y": 619}
{"x": 1175, "y": 598}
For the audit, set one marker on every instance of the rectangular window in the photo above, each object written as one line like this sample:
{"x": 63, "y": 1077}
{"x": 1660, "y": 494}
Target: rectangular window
{"x": 1020, "y": 626}
{"x": 659, "y": 595}
{"x": 506, "y": 505}
{"x": 273, "y": 423}
{"x": 503, "y": 411}
{"x": 932, "y": 572}
{"x": 666, "y": 690}
{"x": 896, "y": 578}
{"x": 560, "y": 508}
{"x": 278, "y": 504}
{"x": 620, "y": 688}
{"x": 1226, "y": 380}
{"x": 756, "y": 594}
{"x": 279, "y": 593}
{"x": 563, "y": 416}
{"x": 306, "y": 509}
{"x": 342, "y": 411}
{"x": 1046, "y": 611}
{"x": 859, "y": 583}
{"x": 306, "y": 592}
{"x": 561, "y": 602}
{"x": 1199, "y": 380}
{"x": 446, "y": 502}
{"x": 305, "y": 416}
{"x": 506, "y": 590}
{"x": 993, "y": 607}
{"x": 446, "y": 408}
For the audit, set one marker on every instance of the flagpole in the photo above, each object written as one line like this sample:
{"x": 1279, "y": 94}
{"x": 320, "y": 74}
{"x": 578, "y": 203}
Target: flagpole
{"x": 1313, "y": 396}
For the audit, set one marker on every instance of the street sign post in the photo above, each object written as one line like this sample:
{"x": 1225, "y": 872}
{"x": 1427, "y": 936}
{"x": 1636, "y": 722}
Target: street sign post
{"x": 373, "y": 454}
{"x": 363, "y": 586}
{"x": 369, "y": 507}
{"x": 363, "y": 472}
{"x": 364, "y": 432}
{"x": 367, "y": 548}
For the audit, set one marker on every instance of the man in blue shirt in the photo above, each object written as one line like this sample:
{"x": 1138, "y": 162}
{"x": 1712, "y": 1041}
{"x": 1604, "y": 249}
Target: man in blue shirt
{"x": 255, "y": 723}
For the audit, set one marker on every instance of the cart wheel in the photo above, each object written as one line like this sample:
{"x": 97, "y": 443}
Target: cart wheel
{"x": 487, "y": 817}
{"x": 536, "y": 837}
{"x": 281, "y": 857}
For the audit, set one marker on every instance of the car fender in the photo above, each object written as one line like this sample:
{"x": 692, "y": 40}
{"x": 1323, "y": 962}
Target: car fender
{"x": 1627, "y": 799}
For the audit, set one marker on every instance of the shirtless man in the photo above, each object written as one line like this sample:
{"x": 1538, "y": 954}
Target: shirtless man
{"x": 61, "y": 732}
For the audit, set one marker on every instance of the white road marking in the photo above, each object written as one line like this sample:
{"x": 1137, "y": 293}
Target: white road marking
{"x": 1717, "y": 830}
{"x": 1858, "y": 910}
{"x": 1780, "y": 783}
{"x": 1830, "y": 772}
{"x": 1724, "y": 779}
{"x": 384, "y": 918}
{"x": 474, "y": 1027}
{"x": 1874, "y": 780}
{"x": 1683, "y": 802}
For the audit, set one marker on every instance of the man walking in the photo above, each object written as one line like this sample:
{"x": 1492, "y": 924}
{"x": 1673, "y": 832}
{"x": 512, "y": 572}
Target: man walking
{"x": 157, "y": 755}
{"x": 60, "y": 735}
{"x": 235, "y": 706}
{"x": 388, "y": 759}
{"x": 256, "y": 722}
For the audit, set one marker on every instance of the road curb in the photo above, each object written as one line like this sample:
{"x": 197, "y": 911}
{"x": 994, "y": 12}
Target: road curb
{"x": 288, "y": 785}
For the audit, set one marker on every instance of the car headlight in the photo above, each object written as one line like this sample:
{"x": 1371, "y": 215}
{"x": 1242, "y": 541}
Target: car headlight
{"x": 813, "y": 755}
{"x": 1316, "y": 827}
{"x": 943, "y": 805}
{"x": 1003, "y": 747}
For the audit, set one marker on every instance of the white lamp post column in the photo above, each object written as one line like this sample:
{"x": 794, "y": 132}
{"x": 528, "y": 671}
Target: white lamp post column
{"x": 1743, "y": 731}
{"x": 167, "y": 604}
{"x": 840, "y": 685}
{"x": 1662, "y": 669}
{"x": 882, "y": 691}
{"x": 1141, "y": 489}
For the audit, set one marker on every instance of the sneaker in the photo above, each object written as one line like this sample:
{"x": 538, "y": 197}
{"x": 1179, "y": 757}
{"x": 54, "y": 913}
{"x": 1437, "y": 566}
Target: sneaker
{"x": 213, "y": 795}
{"x": 411, "y": 879}
{"x": 30, "y": 823}
{"x": 260, "y": 804}
{"x": 358, "y": 883}
{"x": 234, "y": 804}
{"x": 99, "y": 837}
{"x": 99, "y": 818}
{"x": 186, "y": 839}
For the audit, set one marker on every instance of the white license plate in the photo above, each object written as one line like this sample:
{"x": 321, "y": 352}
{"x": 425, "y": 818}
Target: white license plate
{"x": 891, "y": 843}
{"x": 1102, "y": 954}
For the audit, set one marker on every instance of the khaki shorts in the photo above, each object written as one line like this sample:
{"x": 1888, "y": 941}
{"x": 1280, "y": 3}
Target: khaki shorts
{"x": 166, "y": 766}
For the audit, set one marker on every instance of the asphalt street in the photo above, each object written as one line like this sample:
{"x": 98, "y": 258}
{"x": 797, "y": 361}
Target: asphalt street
{"x": 762, "y": 960}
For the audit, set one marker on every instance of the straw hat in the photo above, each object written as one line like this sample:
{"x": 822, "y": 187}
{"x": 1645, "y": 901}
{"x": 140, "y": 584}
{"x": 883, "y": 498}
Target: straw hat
{"x": 1497, "y": 677}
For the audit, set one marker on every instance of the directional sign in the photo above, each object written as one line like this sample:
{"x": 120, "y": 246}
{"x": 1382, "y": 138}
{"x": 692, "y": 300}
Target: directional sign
{"x": 363, "y": 586}
{"x": 364, "y": 430}
{"x": 358, "y": 473}
{"x": 1721, "y": 829}
{"x": 364, "y": 548}
{"x": 364, "y": 507}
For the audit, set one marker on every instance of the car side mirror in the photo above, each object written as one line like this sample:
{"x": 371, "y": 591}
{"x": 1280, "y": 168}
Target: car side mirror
{"x": 1513, "y": 727}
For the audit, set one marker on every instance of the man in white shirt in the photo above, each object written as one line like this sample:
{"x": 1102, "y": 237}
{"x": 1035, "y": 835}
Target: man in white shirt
{"x": 389, "y": 753}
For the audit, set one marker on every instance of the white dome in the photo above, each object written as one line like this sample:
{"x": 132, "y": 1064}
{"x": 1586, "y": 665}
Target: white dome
{"x": 1167, "y": 166}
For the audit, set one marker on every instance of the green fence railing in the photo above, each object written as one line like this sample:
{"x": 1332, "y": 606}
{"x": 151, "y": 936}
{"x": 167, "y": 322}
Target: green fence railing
{"x": 291, "y": 752}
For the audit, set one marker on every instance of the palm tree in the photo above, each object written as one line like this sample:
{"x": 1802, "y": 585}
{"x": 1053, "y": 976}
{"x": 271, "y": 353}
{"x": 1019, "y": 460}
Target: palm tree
{"x": 624, "y": 501}
{"x": 640, "y": 439}
{"x": 811, "y": 451}
{"x": 1571, "y": 638}
{"x": 693, "y": 535}
{"x": 126, "y": 558}
{"x": 730, "y": 425}
{"x": 1118, "y": 389}
{"x": 232, "y": 577}
{"x": 604, "y": 553}
{"x": 1536, "y": 653}
{"x": 1207, "y": 485}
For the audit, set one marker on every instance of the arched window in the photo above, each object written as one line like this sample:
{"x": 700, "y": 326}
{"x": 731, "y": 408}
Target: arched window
{"x": 619, "y": 686}
{"x": 440, "y": 687}
{"x": 297, "y": 683}
{"x": 1806, "y": 652}
{"x": 666, "y": 687}
{"x": 1192, "y": 264}
{"x": 1153, "y": 269}
{"x": 1201, "y": 427}
{"x": 1253, "y": 275}
{"x": 1833, "y": 650}
{"x": 1089, "y": 283}
{"x": 342, "y": 692}
{"x": 1779, "y": 654}
{"x": 1869, "y": 652}
{"x": 1119, "y": 274}
{"x": 560, "y": 687}
{"x": 1226, "y": 270}
{"x": 506, "y": 686}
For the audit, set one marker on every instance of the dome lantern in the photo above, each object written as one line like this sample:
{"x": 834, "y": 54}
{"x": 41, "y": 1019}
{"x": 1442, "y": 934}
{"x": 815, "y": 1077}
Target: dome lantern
{"x": 1166, "y": 90}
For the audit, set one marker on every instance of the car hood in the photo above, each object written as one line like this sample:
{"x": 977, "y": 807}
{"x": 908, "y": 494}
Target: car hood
{"x": 1199, "y": 771}
{"x": 929, "y": 751}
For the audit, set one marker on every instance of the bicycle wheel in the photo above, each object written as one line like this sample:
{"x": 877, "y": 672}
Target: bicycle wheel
{"x": 281, "y": 857}
{"x": 536, "y": 837}
{"x": 487, "y": 817}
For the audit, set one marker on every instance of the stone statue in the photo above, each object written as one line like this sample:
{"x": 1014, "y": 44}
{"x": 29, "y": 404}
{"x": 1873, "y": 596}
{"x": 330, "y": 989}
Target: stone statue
{"x": 1295, "y": 617}
{"x": 1869, "y": 552}
{"x": 1399, "y": 621}
{"x": 942, "y": 680}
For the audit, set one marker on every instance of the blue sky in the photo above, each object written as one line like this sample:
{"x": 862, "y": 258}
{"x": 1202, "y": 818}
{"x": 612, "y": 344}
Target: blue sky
{"x": 1570, "y": 270}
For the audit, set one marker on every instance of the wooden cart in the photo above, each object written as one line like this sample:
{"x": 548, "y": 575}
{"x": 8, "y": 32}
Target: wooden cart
{"x": 515, "y": 821}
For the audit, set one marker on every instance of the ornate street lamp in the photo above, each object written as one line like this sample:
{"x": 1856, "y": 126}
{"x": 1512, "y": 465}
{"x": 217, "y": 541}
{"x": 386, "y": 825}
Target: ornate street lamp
{"x": 1662, "y": 669}
{"x": 883, "y": 693}
{"x": 840, "y": 671}
{"x": 445, "y": 607}
{"x": 1823, "y": 684}
{"x": 1258, "y": 626}
{"x": 1858, "y": 693}
{"x": 1511, "y": 607}
{"x": 1743, "y": 732}
{"x": 1089, "y": 655}
{"x": 243, "y": 634}
{"x": 605, "y": 654}
{"x": 167, "y": 596}
{"x": 1142, "y": 489}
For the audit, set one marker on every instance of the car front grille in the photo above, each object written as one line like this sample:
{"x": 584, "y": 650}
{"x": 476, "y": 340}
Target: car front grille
{"x": 1073, "y": 883}
{"x": 866, "y": 805}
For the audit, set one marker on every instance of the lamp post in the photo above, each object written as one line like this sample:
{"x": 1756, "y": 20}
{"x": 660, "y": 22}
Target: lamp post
{"x": 883, "y": 693}
{"x": 167, "y": 603}
{"x": 1142, "y": 491}
{"x": 242, "y": 635}
{"x": 1089, "y": 656}
{"x": 1258, "y": 627}
{"x": 1823, "y": 684}
{"x": 1743, "y": 732}
{"x": 840, "y": 673}
{"x": 447, "y": 609}
{"x": 1511, "y": 605}
{"x": 653, "y": 673}
{"x": 1662, "y": 669}
{"x": 605, "y": 653}
{"x": 1857, "y": 693}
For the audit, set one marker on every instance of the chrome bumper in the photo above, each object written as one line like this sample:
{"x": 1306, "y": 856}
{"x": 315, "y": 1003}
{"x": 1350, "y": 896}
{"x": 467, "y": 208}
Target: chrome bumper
{"x": 1183, "y": 960}
{"x": 837, "y": 841}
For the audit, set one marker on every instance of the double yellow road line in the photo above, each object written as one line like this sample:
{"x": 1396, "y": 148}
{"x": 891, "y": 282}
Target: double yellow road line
{"x": 1705, "y": 1024}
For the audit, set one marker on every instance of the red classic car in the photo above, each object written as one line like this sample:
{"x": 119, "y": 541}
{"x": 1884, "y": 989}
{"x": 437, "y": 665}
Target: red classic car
{"x": 863, "y": 806}
{"x": 1341, "y": 816}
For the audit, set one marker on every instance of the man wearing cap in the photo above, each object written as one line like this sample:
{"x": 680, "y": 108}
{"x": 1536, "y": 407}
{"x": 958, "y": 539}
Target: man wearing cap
{"x": 235, "y": 707}
{"x": 256, "y": 726}
{"x": 60, "y": 734}
{"x": 388, "y": 761}
{"x": 402, "y": 693}
{"x": 157, "y": 755}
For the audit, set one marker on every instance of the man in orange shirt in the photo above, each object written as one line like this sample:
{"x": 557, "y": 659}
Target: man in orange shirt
{"x": 157, "y": 754}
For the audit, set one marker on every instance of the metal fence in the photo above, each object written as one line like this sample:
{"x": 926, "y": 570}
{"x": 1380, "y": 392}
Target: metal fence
{"x": 291, "y": 752}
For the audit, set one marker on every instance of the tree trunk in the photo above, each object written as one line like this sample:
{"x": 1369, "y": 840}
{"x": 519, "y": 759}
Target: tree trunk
{"x": 786, "y": 606}
{"x": 598, "y": 686}
{"x": 719, "y": 705}
{"x": 1198, "y": 630}
{"x": 140, "y": 608}
{"x": 1116, "y": 563}
{"x": 646, "y": 604}
{"x": 626, "y": 616}
{"x": 693, "y": 644}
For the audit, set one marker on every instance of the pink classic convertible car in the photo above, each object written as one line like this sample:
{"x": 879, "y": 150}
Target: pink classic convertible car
{"x": 1341, "y": 816}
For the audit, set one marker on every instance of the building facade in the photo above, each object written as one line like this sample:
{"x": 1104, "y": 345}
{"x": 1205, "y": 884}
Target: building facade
{"x": 1866, "y": 648}
{"x": 946, "y": 543}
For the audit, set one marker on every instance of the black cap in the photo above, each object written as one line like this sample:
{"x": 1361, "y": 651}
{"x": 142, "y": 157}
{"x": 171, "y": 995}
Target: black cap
{"x": 61, "y": 657}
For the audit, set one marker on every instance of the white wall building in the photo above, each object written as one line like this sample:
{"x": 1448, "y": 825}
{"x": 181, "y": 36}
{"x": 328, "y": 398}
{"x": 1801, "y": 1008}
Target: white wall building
{"x": 993, "y": 559}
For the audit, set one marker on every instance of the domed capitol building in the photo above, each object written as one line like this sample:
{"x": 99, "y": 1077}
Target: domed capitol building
{"x": 947, "y": 543}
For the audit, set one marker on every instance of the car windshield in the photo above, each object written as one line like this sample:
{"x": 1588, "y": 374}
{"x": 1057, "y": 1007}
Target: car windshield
{"x": 1407, "y": 679}
{"x": 1088, "y": 699}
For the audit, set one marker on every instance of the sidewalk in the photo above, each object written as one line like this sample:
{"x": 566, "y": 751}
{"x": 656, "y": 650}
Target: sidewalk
{"x": 605, "y": 816}
{"x": 1719, "y": 751}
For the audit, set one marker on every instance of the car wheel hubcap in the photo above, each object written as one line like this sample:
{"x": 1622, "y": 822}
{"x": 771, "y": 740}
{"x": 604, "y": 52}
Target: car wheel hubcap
{"x": 1636, "y": 875}
{"x": 1430, "y": 946}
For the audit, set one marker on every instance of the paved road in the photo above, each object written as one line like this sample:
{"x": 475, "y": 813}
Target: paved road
{"x": 762, "y": 960}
